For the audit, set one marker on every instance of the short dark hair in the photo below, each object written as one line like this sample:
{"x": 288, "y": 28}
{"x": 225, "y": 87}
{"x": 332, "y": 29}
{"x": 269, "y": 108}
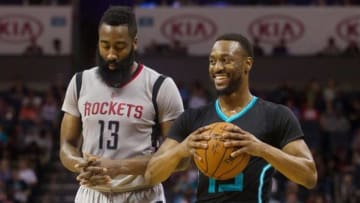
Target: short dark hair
{"x": 244, "y": 42}
{"x": 120, "y": 15}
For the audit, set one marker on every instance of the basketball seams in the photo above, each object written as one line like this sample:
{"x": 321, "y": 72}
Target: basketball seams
{"x": 224, "y": 152}
{"x": 244, "y": 159}
{"x": 206, "y": 165}
{"x": 206, "y": 155}
{"x": 207, "y": 151}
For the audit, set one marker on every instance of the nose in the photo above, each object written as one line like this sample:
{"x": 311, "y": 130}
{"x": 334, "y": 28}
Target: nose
{"x": 111, "y": 56}
{"x": 218, "y": 66}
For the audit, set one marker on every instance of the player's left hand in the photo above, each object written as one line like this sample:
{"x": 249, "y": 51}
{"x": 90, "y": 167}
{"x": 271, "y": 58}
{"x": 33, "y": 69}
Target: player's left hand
{"x": 243, "y": 140}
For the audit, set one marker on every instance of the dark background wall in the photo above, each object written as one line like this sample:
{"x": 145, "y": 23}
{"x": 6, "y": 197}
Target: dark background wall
{"x": 266, "y": 73}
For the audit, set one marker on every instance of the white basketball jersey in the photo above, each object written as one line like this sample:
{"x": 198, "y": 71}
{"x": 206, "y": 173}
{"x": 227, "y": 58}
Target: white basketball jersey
{"x": 117, "y": 122}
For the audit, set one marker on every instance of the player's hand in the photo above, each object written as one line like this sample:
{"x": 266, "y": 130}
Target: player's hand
{"x": 104, "y": 163}
{"x": 243, "y": 140}
{"x": 91, "y": 173}
{"x": 196, "y": 140}
{"x": 94, "y": 176}
{"x": 110, "y": 166}
{"x": 84, "y": 162}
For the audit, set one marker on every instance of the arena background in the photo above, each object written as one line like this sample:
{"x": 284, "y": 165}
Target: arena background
{"x": 315, "y": 72}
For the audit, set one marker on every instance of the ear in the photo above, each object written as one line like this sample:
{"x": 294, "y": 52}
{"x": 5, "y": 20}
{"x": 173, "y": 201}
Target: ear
{"x": 248, "y": 64}
{"x": 135, "y": 42}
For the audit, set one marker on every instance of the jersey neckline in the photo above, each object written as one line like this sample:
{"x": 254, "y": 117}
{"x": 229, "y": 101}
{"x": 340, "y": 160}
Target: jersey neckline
{"x": 237, "y": 115}
{"x": 136, "y": 73}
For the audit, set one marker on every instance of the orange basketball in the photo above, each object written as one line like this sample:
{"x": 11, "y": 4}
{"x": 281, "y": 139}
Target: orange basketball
{"x": 215, "y": 160}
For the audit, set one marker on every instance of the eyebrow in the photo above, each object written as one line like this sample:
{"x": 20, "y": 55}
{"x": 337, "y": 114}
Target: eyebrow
{"x": 117, "y": 42}
{"x": 220, "y": 55}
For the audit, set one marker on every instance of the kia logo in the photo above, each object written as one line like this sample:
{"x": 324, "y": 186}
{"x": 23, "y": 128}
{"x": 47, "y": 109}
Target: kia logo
{"x": 272, "y": 28}
{"x": 19, "y": 28}
{"x": 349, "y": 28}
{"x": 188, "y": 28}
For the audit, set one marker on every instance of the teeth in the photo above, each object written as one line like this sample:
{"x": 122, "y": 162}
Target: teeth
{"x": 220, "y": 76}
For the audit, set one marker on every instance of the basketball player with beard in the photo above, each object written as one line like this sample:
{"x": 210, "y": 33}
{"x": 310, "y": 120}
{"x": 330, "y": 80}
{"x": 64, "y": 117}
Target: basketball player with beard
{"x": 112, "y": 118}
{"x": 269, "y": 132}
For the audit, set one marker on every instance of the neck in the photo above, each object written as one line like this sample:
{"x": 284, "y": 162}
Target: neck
{"x": 236, "y": 101}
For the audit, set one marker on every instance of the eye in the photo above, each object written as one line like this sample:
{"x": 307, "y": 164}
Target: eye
{"x": 119, "y": 48}
{"x": 212, "y": 61}
{"x": 225, "y": 60}
{"x": 106, "y": 47}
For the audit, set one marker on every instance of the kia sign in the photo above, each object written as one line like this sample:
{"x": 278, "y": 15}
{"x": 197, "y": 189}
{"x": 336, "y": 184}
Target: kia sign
{"x": 305, "y": 29}
{"x": 46, "y": 24}
{"x": 19, "y": 28}
{"x": 349, "y": 28}
{"x": 188, "y": 29}
{"x": 272, "y": 28}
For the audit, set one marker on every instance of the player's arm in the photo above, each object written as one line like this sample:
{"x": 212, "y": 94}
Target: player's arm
{"x": 165, "y": 161}
{"x": 70, "y": 137}
{"x": 173, "y": 156}
{"x": 294, "y": 161}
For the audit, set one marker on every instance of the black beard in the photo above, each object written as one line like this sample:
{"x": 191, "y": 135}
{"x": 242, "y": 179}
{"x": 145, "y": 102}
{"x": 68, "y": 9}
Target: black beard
{"x": 121, "y": 74}
{"x": 233, "y": 86}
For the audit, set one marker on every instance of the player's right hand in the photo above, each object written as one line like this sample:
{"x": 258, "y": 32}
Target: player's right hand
{"x": 91, "y": 173}
{"x": 196, "y": 140}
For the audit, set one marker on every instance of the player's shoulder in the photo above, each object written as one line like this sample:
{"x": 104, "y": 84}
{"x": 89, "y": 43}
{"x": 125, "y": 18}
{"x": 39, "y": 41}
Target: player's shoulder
{"x": 88, "y": 71}
{"x": 149, "y": 71}
{"x": 153, "y": 75}
{"x": 200, "y": 111}
{"x": 272, "y": 108}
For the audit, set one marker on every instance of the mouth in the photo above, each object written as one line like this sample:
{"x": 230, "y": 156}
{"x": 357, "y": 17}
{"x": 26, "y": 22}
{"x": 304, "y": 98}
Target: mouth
{"x": 112, "y": 66}
{"x": 221, "y": 79}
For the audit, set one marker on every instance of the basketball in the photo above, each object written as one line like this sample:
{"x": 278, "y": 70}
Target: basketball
{"x": 215, "y": 160}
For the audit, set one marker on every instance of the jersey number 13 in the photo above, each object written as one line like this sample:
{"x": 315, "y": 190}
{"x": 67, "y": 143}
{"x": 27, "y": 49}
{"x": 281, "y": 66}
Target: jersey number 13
{"x": 112, "y": 141}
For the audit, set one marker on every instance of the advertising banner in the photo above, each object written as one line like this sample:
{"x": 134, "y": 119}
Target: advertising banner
{"x": 305, "y": 30}
{"x": 48, "y": 27}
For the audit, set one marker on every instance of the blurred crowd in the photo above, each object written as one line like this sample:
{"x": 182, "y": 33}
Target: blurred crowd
{"x": 29, "y": 133}
{"x": 29, "y": 128}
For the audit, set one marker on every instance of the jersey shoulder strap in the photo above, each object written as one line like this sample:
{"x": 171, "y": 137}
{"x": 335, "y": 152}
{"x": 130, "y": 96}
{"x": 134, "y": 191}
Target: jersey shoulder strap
{"x": 155, "y": 92}
{"x": 155, "y": 136}
{"x": 78, "y": 83}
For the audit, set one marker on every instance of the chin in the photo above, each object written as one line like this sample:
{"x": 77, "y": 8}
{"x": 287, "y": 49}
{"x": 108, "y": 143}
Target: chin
{"x": 220, "y": 88}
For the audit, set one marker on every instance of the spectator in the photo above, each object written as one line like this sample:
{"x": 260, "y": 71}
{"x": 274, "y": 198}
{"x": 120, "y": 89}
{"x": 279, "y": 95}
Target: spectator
{"x": 335, "y": 126}
{"x": 3, "y": 135}
{"x": 26, "y": 173}
{"x": 331, "y": 48}
{"x": 57, "y": 46}
{"x": 280, "y": 49}
{"x": 258, "y": 50}
{"x": 330, "y": 90}
{"x": 33, "y": 49}
{"x": 198, "y": 96}
{"x": 177, "y": 48}
{"x": 352, "y": 49}
{"x": 18, "y": 189}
